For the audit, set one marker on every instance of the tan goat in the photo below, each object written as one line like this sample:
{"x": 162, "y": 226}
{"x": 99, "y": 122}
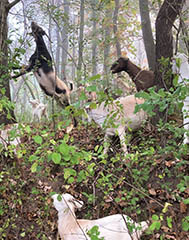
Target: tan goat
{"x": 122, "y": 113}
{"x": 182, "y": 70}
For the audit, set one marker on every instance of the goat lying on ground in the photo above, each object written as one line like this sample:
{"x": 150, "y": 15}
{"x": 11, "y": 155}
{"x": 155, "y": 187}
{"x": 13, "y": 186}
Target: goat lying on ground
{"x": 39, "y": 110}
{"x": 182, "y": 69}
{"x": 121, "y": 113}
{"x": 41, "y": 63}
{"x": 143, "y": 79}
{"x": 114, "y": 227}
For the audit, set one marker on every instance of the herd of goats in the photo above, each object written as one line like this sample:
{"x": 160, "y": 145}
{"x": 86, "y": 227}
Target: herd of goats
{"x": 114, "y": 226}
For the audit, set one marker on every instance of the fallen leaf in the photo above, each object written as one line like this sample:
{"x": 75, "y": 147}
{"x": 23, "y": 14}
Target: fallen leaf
{"x": 152, "y": 192}
{"x": 183, "y": 207}
{"x": 170, "y": 237}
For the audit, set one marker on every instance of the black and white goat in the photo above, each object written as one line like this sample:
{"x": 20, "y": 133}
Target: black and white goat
{"x": 143, "y": 79}
{"x": 41, "y": 64}
{"x": 181, "y": 67}
{"x": 114, "y": 227}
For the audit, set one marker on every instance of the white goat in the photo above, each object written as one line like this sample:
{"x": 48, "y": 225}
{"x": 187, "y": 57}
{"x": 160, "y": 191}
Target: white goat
{"x": 38, "y": 110}
{"x": 182, "y": 69}
{"x": 126, "y": 88}
{"x": 9, "y": 135}
{"x": 121, "y": 112}
{"x": 112, "y": 227}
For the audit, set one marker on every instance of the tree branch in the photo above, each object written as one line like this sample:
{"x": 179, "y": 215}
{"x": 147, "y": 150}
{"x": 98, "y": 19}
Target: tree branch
{"x": 12, "y": 4}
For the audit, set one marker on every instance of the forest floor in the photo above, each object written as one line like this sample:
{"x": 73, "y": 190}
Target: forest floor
{"x": 146, "y": 186}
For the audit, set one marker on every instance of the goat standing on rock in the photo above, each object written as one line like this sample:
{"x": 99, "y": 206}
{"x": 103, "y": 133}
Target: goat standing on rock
{"x": 41, "y": 63}
{"x": 143, "y": 79}
{"x": 114, "y": 227}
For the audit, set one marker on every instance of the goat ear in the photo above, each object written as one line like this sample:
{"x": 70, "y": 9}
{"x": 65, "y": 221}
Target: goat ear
{"x": 71, "y": 86}
{"x": 78, "y": 204}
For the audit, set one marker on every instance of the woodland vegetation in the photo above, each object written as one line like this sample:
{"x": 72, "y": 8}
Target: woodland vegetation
{"x": 85, "y": 38}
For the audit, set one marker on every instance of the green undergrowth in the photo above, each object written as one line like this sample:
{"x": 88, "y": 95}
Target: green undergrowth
{"x": 147, "y": 184}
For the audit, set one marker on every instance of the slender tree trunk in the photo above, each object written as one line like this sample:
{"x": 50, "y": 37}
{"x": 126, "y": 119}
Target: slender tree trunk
{"x": 184, "y": 36}
{"x": 74, "y": 52}
{"x": 94, "y": 37}
{"x": 147, "y": 33}
{"x": 168, "y": 12}
{"x": 81, "y": 34}
{"x": 65, "y": 41}
{"x": 58, "y": 44}
{"x": 107, "y": 35}
{"x": 58, "y": 51}
{"x": 115, "y": 29}
{"x": 6, "y": 115}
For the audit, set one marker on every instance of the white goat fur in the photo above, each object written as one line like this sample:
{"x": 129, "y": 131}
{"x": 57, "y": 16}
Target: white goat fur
{"x": 49, "y": 81}
{"x": 125, "y": 119}
{"x": 5, "y": 136}
{"x": 38, "y": 110}
{"x": 183, "y": 72}
{"x": 111, "y": 227}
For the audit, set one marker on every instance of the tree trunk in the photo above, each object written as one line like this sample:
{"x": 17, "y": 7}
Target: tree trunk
{"x": 81, "y": 33}
{"x": 147, "y": 33}
{"x": 107, "y": 31}
{"x": 65, "y": 41}
{"x": 6, "y": 114}
{"x": 58, "y": 51}
{"x": 73, "y": 66}
{"x": 184, "y": 36}
{"x": 116, "y": 35}
{"x": 168, "y": 12}
{"x": 94, "y": 37}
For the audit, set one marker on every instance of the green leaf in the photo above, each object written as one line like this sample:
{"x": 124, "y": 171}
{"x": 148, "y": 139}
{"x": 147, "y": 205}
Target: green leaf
{"x": 23, "y": 234}
{"x": 71, "y": 180}
{"x": 81, "y": 176}
{"x": 185, "y": 225}
{"x": 32, "y": 158}
{"x": 158, "y": 225}
{"x": 64, "y": 149}
{"x": 38, "y": 139}
{"x": 169, "y": 222}
{"x": 182, "y": 189}
{"x": 175, "y": 80}
{"x": 56, "y": 157}
{"x": 94, "y": 78}
{"x": 93, "y": 105}
{"x": 186, "y": 201}
{"x": 142, "y": 95}
{"x": 34, "y": 167}
{"x": 152, "y": 226}
{"x": 155, "y": 217}
{"x": 68, "y": 172}
{"x": 90, "y": 168}
{"x": 28, "y": 129}
{"x": 35, "y": 191}
{"x": 91, "y": 88}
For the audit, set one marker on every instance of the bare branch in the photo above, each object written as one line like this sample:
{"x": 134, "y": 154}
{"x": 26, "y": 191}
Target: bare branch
{"x": 12, "y": 4}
